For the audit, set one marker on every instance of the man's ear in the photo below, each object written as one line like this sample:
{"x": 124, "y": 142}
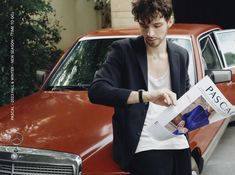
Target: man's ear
{"x": 171, "y": 21}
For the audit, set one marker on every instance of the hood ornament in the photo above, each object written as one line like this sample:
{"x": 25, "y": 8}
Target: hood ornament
{"x": 16, "y": 140}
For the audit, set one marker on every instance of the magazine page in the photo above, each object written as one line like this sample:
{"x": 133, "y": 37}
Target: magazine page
{"x": 203, "y": 104}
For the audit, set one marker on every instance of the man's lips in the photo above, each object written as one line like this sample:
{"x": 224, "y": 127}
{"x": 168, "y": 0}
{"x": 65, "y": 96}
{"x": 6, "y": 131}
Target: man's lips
{"x": 151, "y": 39}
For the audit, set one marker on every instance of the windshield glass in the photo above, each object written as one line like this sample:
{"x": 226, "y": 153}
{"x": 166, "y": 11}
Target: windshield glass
{"x": 77, "y": 70}
{"x": 187, "y": 44}
{"x": 80, "y": 65}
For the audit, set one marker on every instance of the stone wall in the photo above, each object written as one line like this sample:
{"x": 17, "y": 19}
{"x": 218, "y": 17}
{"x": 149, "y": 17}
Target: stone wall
{"x": 77, "y": 16}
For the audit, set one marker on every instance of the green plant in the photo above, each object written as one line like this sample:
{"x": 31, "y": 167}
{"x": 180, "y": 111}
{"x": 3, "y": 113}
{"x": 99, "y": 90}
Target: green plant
{"x": 28, "y": 42}
{"x": 103, "y": 6}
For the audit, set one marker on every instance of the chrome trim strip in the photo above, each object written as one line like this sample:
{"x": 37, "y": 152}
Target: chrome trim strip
{"x": 127, "y": 36}
{"x": 85, "y": 38}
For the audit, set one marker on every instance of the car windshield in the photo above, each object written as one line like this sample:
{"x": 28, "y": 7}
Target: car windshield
{"x": 186, "y": 43}
{"x": 77, "y": 70}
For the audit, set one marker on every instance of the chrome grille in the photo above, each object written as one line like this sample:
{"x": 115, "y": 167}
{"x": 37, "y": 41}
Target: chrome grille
{"x": 31, "y": 169}
{"x": 4, "y": 168}
{"x": 38, "y": 162}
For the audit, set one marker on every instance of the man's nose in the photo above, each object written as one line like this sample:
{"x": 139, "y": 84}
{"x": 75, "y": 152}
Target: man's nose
{"x": 150, "y": 32}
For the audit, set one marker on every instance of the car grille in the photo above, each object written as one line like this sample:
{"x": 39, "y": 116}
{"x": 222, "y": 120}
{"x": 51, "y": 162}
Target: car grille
{"x": 26, "y": 161}
{"x": 9, "y": 168}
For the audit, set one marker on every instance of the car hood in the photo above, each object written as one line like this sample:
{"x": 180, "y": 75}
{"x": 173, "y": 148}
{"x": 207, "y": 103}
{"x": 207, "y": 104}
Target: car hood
{"x": 60, "y": 120}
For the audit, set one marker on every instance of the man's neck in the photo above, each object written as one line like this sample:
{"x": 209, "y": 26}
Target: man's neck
{"x": 157, "y": 51}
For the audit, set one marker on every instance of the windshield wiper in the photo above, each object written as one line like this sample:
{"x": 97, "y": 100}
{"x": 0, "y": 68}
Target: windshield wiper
{"x": 62, "y": 88}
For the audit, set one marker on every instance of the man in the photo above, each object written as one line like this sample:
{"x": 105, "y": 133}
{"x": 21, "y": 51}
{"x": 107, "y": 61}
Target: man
{"x": 140, "y": 77}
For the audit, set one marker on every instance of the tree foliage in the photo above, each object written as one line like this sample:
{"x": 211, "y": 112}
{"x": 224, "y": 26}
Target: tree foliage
{"x": 104, "y": 7}
{"x": 28, "y": 42}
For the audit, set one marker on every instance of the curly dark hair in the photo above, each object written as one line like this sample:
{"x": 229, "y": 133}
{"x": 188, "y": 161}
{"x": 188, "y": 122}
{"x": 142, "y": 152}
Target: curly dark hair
{"x": 146, "y": 10}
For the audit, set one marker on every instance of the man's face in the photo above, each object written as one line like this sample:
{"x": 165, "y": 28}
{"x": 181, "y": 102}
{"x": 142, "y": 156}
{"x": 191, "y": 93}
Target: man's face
{"x": 155, "y": 32}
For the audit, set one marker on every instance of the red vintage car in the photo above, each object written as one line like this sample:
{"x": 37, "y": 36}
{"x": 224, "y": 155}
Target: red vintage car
{"x": 58, "y": 131}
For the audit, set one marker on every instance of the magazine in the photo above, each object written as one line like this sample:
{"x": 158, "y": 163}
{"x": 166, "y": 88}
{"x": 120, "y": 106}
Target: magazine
{"x": 203, "y": 104}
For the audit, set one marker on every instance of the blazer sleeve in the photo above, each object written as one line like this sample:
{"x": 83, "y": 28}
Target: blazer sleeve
{"x": 106, "y": 88}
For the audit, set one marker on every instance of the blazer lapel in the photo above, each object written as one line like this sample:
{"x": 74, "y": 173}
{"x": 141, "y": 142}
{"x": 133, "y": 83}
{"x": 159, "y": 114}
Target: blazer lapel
{"x": 174, "y": 63}
{"x": 142, "y": 57}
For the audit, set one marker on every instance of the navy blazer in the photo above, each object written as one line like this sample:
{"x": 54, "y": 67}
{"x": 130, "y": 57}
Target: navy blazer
{"x": 125, "y": 70}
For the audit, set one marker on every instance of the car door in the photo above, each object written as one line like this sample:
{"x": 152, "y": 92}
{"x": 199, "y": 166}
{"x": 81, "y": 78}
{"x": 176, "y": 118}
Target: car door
{"x": 225, "y": 40}
{"x": 212, "y": 59}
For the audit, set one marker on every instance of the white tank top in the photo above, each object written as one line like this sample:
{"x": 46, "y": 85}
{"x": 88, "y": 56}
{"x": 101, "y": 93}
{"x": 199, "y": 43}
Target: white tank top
{"x": 146, "y": 142}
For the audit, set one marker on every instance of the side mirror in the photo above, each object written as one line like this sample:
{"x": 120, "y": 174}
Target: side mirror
{"x": 219, "y": 76}
{"x": 41, "y": 76}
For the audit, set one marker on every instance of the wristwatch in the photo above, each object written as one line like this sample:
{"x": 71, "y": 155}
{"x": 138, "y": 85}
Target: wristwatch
{"x": 141, "y": 95}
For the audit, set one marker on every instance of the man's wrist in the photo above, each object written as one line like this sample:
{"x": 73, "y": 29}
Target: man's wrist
{"x": 143, "y": 96}
{"x": 146, "y": 97}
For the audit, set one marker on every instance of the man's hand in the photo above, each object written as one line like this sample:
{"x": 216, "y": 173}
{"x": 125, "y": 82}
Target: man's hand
{"x": 163, "y": 97}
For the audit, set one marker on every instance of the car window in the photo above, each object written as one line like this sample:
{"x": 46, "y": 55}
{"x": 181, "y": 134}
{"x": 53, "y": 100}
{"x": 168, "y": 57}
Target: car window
{"x": 187, "y": 44}
{"x": 77, "y": 70}
{"x": 226, "y": 43}
{"x": 210, "y": 57}
{"x": 80, "y": 65}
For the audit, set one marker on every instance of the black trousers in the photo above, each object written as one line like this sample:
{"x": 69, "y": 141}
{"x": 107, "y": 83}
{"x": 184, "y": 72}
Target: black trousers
{"x": 162, "y": 162}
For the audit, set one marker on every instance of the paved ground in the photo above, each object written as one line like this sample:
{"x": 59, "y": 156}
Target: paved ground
{"x": 222, "y": 161}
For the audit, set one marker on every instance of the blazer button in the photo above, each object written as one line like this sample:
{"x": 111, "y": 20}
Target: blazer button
{"x": 138, "y": 133}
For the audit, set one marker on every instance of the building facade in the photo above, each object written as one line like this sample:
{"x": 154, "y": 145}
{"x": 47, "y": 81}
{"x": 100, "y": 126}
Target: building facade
{"x": 79, "y": 17}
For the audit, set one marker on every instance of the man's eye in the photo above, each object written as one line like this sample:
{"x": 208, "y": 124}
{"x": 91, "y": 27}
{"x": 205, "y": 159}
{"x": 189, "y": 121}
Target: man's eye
{"x": 157, "y": 26}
